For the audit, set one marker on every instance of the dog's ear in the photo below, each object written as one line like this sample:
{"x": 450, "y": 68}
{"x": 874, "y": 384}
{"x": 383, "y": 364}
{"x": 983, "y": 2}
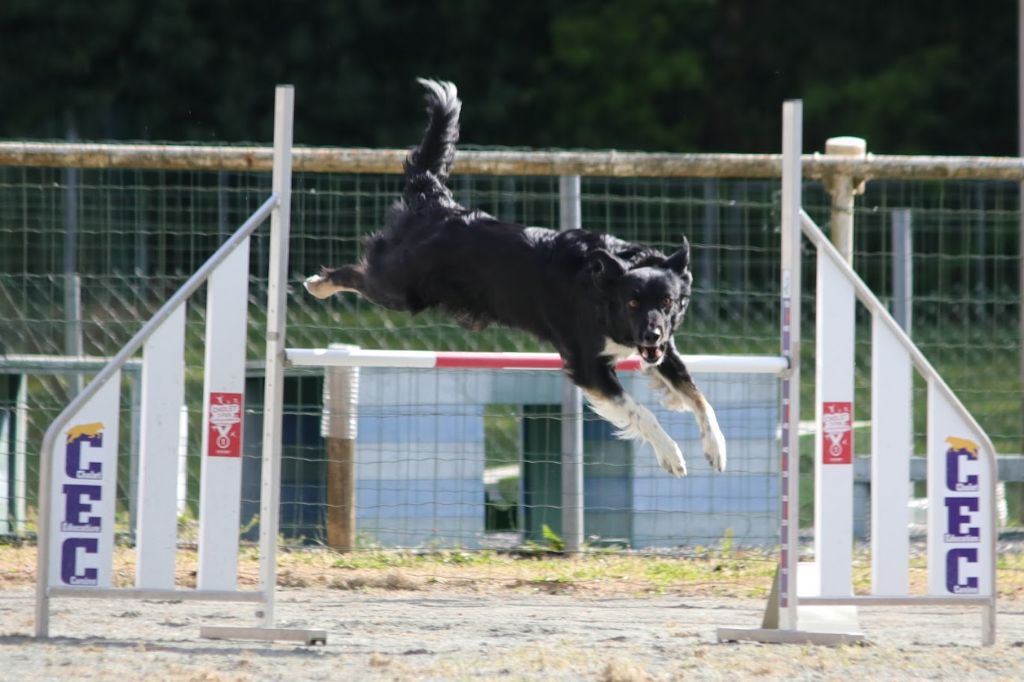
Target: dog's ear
{"x": 679, "y": 261}
{"x": 604, "y": 266}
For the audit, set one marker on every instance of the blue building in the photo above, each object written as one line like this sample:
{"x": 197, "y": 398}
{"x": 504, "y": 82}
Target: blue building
{"x": 422, "y": 462}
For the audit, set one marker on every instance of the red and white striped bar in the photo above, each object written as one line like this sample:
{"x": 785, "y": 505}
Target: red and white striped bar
{"x": 427, "y": 359}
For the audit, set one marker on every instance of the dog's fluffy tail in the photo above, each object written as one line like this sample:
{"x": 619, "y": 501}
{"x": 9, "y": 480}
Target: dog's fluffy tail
{"x": 428, "y": 165}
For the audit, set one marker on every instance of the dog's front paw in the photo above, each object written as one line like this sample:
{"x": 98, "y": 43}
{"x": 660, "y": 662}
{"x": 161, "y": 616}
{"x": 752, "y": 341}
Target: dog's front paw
{"x": 319, "y": 286}
{"x": 670, "y": 457}
{"x": 714, "y": 448}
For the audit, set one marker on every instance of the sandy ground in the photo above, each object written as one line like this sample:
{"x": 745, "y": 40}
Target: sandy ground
{"x": 461, "y": 634}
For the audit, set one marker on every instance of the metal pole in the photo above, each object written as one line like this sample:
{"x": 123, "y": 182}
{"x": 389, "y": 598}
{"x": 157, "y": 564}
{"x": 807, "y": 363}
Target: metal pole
{"x": 1020, "y": 206}
{"x": 20, "y": 457}
{"x": 902, "y": 268}
{"x": 135, "y": 399}
{"x": 72, "y": 282}
{"x": 792, "y": 134}
{"x": 73, "y": 325}
{"x": 277, "y": 292}
{"x": 8, "y": 385}
{"x": 572, "y": 401}
{"x": 709, "y": 259}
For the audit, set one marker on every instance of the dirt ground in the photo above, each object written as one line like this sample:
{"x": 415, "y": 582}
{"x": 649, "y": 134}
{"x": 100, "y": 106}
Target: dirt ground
{"x": 397, "y": 625}
{"x": 377, "y": 634}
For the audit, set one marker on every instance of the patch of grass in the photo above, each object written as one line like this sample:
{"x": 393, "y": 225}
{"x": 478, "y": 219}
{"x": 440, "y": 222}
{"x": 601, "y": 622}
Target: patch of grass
{"x": 383, "y": 559}
{"x": 391, "y": 581}
{"x": 711, "y": 573}
{"x": 623, "y": 670}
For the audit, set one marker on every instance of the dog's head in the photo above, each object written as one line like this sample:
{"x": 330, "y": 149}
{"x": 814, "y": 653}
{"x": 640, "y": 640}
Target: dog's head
{"x": 647, "y": 304}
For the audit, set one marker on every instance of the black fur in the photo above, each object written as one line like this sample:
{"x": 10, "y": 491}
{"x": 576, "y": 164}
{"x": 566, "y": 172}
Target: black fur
{"x": 576, "y": 290}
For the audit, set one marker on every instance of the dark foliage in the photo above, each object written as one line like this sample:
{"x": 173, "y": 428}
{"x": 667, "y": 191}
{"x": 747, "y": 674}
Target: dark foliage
{"x": 677, "y": 75}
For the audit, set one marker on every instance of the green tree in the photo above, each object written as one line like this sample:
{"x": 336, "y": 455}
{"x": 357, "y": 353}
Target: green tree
{"x": 678, "y": 75}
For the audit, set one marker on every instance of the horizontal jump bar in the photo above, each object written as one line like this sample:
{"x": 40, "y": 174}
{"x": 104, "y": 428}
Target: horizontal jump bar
{"x": 157, "y": 594}
{"x": 878, "y": 600}
{"x": 58, "y": 364}
{"x": 425, "y": 359}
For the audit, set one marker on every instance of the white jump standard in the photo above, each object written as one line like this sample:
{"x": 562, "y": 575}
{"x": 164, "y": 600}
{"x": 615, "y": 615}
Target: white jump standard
{"x": 78, "y": 461}
{"x": 962, "y": 471}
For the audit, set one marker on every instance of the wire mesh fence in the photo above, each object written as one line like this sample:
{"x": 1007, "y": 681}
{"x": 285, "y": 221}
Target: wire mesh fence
{"x": 453, "y": 459}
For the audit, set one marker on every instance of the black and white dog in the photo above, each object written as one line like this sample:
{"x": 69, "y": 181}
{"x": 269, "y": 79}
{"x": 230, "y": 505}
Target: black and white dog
{"x": 594, "y": 297}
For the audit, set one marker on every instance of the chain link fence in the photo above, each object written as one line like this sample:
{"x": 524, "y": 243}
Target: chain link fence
{"x": 87, "y": 254}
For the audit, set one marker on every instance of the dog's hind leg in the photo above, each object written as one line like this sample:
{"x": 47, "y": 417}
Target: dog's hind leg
{"x": 329, "y": 282}
{"x": 607, "y": 397}
{"x": 672, "y": 377}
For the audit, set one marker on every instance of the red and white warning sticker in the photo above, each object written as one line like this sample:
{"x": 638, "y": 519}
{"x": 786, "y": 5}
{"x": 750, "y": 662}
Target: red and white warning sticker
{"x": 225, "y": 425}
{"x": 837, "y": 433}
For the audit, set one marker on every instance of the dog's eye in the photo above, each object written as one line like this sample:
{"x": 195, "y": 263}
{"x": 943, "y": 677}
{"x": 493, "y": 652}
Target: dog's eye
{"x": 633, "y": 303}
{"x": 666, "y": 302}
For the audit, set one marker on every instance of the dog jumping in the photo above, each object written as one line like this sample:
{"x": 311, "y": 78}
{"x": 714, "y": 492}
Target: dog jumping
{"x": 595, "y": 298}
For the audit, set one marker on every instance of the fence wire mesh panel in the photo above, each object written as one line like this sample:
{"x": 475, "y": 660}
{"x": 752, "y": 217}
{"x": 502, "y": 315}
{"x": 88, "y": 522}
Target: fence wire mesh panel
{"x": 471, "y": 458}
{"x": 963, "y": 262}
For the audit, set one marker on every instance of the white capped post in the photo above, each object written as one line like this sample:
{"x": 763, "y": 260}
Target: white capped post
{"x": 834, "y": 362}
{"x": 831, "y": 573}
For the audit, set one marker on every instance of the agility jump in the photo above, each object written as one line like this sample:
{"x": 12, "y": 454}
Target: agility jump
{"x": 78, "y": 460}
{"x": 815, "y": 602}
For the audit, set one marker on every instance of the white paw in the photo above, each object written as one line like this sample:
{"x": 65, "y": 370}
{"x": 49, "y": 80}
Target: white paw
{"x": 714, "y": 448}
{"x": 670, "y": 457}
{"x": 319, "y": 286}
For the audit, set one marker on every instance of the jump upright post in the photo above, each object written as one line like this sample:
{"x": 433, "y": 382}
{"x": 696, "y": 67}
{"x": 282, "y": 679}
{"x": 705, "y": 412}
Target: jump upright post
{"x": 814, "y": 602}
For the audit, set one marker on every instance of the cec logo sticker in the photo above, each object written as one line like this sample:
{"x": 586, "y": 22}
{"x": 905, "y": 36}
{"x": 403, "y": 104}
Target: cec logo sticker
{"x": 962, "y": 498}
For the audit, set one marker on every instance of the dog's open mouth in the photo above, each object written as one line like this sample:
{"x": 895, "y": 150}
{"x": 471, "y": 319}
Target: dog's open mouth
{"x": 652, "y": 355}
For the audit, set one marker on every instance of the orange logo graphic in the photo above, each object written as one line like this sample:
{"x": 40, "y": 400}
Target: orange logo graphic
{"x": 84, "y": 431}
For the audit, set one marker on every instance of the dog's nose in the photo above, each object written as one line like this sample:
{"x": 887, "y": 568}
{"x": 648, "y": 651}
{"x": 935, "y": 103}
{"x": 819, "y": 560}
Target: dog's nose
{"x": 652, "y": 336}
